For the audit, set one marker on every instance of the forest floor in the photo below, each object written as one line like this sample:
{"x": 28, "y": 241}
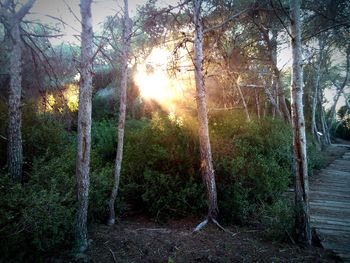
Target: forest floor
{"x": 139, "y": 239}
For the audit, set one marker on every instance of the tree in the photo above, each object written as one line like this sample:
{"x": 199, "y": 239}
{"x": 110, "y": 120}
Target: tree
{"x": 122, "y": 112}
{"x": 207, "y": 168}
{"x": 84, "y": 124}
{"x": 12, "y": 20}
{"x": 302, "y": 218}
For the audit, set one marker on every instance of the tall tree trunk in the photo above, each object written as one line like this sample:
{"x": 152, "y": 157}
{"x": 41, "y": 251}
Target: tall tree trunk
{"x": 12, "y": 22}
{"x": 257, "y": 102}
{"x": 340, "y": 88}
{"x": 279, "y": 102}
{"x": 84, "y": 124}
{"x": 15, "y": 156}
{"x": 122, "y": 112}
{"x": 326, "y": 140}
{"x": 302, "y": 218}
{"x": 207, "y": 169}
{"x": 246, "y": 111}
{"x": 314, "y": 129}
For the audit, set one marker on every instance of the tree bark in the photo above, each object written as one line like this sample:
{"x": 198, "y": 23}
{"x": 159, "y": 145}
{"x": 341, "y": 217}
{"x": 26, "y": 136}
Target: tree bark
{"x": 14, "y": 147}
{"x": 244, "y": 103}
{"x": 122, "y": 113}
{"x": 340, "y": 88}
{"x": 326, "y": 140}
{"x": 207, "y": 168}
{"x": 15, "y": 156}
{"x": 279, "y": 103}
{"x": 84, "y": 125}
{"x": 314, "y": 129}
{"x": 302, "y": 218}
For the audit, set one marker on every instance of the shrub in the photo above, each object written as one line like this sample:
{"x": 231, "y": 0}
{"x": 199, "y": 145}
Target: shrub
{"x": 253, "y": 169}
{"x": 160, "y": 168}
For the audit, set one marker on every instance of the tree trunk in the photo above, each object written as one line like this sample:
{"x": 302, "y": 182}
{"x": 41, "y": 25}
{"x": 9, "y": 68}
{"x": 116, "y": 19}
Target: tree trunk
{"x": 279, "y": 103}
{"x": 340, "y": 88}
{"x": 314, "y": 129}
{"x": 302, "y": 218}
{"x": 15, "y": 156}
{"x": 207, "y": 169}
{"x": 244, "y": 103}
{"x": 257, "y": 102}
{"x": 12, "y": 22}
{"x": 122, "y": 113}
{"x": 84, "y": 125}
{"x": 326, "y": 140}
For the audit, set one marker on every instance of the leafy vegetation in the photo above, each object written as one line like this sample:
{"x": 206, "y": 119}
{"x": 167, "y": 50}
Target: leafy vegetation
{"x": 160, "y": 176}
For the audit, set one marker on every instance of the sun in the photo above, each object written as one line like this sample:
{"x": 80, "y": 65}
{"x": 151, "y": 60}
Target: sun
{"x": 153, "y": 79}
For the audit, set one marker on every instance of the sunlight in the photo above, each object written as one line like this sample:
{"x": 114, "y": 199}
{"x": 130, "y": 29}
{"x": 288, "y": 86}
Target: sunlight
{"x": 154, "y": 81}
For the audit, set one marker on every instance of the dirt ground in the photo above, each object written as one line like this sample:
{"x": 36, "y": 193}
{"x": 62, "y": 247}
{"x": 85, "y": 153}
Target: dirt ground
{"x": 139, "y": 239}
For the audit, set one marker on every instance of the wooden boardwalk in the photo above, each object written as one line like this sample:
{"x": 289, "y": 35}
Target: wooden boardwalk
{"x": 330, "y": 206}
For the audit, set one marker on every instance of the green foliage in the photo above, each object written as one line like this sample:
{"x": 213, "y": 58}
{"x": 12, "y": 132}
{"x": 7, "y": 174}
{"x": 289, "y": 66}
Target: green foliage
{"x": 253, "y": 169}
{"x": 160, "y": 176}
{"x": 342, "y": 127}
{"x": 279, "y": 219}
{"x": 33, "y": 221}
{"x": 103, "y": 139}
{"x": 160, "y": 168}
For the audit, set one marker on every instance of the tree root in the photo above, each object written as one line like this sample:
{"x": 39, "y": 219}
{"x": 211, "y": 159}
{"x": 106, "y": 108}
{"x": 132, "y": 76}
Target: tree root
{"x": 201, "y": 225}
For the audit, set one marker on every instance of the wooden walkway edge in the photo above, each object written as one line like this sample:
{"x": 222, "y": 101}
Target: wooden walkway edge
{"x": 330, "y": 206}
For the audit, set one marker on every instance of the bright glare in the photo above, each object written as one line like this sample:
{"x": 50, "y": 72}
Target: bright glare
{"x": 154, "y": 82}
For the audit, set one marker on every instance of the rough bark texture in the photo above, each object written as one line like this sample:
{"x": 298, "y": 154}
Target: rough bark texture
{"x": 14, "y": 148}
{"x": 84, "y": 125}
{"x": 122, "y": 112}
{"x": 204, "y": 142}
{"x": 15, "y": 156}
{"x": 302, "y": 218}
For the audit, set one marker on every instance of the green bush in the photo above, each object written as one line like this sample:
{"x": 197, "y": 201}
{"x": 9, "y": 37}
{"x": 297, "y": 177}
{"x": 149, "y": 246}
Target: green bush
{"x": 278, "y": 219}
{"x": 160, "y": 168}
{"x": 253, "y": 169}
{"x": 33, "y": 222}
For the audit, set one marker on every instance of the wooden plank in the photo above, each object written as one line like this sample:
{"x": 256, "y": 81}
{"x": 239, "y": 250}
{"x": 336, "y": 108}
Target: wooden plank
{"x": 329, "y": 213}
{"x": 327, "y": 203}
{"x": 338, "y": 168}
{"x": 342, "y": 162}
{"x": 330, "y": 220}
{"x": 334, "y": 172}
{"x": 329, "y": 195}
{"x": 330, "y": 206}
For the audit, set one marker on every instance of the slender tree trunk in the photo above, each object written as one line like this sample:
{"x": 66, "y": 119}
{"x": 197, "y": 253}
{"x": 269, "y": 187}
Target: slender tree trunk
{"x": 15, "y": 156}
{"x": 244, "y": 103}
{"x": 11, "y": 21}
{"x": 302, "y": 219}
{"x": 272, "y": 100}
{"x": 279, "y": 101}
{"x": 326, "y": 140}
{"x": 204, "y": 142}
{"x": 84, "y": 125}
{"x": 122, "y": 113}
{"x": 340, "y": 88}
{"x": 314, "y": 129}
{"x": 257, "y": 102}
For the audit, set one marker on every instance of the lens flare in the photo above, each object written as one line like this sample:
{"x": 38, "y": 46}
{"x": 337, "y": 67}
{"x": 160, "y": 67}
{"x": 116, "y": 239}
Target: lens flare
{"x": 154, "y": 81}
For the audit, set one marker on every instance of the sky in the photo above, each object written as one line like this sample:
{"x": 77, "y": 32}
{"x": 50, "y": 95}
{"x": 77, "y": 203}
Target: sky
{"x": 68, "y": 11}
